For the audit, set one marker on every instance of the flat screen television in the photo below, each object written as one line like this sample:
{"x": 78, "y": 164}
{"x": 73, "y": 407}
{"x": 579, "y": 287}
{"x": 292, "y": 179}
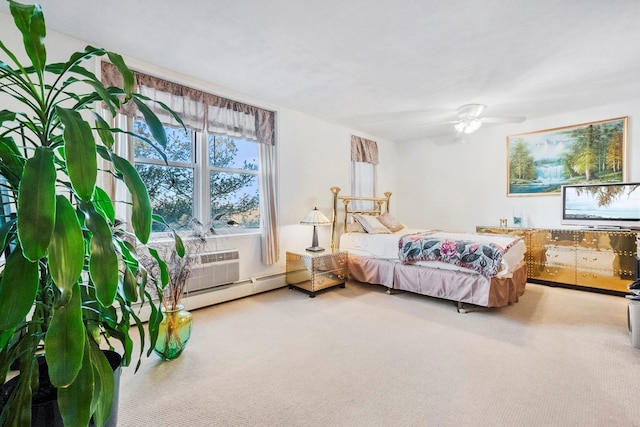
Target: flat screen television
{"x": 608, "y": 205}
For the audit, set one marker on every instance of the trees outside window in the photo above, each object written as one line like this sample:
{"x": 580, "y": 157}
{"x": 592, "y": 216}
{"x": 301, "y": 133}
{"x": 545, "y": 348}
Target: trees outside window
{"x": 217, "y": 183}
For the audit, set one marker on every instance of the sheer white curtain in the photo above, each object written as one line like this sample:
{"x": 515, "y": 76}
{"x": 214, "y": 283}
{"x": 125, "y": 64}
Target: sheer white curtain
{"x": 270, "y": 245}
{"x": 364, "y": 158}
{"x": 214, "y": 114}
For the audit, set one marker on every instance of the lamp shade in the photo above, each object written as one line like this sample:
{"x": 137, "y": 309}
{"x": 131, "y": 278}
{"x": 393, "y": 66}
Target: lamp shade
{"x": 315, "y": 217}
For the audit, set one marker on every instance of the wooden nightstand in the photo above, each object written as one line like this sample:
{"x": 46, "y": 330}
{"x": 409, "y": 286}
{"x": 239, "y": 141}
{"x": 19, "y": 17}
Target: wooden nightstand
{"x": 313, "y": 271}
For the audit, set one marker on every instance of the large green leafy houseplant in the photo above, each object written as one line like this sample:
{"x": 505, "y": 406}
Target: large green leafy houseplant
{"x": 71, "y": 278}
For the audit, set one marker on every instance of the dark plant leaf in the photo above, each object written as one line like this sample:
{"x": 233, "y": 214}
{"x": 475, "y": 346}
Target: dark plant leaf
{"x": 103, "y": 94}
{"x": 141, "y": 137}
{"x": 73, "y": 63}
{"x": 164, "y": 106}
{"x": 80, "y": 149}
{"x": 127, "y": 75}
{"x": 12, "y": 162}
{"x": 37, "y": 204}
{"x": 4, "y": 232}
{"x": 164, "y": 270}
{"x": 30, "y": 21}
{"x": 19, "y": 284}
{"x": 16, "y": 413}
{"x": 103, "y": 203}
{"x": 126, "y": 339}
{"x": 153, "y": 325}
{"x": 75, "y": 401}
{"x": 104, "y": 386}
{"x": 155, "y": 125}
{"x": 130, "y": 285}
{"x": 104, "y": 152}
{"x": 103, "y": 261}
{"x": 64, "y": 342}
{"x": 141, "y": 205}
{"x": 7, "y": 116}
{"x": 66, "y": 250}
{"x": 104, "y": 131}
{"x": 179, "y": 245}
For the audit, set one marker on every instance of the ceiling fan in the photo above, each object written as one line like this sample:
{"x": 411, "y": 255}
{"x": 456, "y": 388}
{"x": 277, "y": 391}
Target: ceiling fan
{"x": 470, "y": 119}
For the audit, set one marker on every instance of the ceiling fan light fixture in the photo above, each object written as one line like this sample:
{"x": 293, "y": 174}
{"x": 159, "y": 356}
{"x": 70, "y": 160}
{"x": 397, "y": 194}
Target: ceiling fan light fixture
{"x": 468, "y": 125}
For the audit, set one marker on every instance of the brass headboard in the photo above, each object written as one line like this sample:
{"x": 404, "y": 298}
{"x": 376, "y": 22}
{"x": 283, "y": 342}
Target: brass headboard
{"x": 378, "y": 203}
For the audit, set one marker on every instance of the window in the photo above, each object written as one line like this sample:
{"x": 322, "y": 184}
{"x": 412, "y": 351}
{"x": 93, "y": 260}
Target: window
{"x": 222, "y": 191}
{"x": 222, "y": 171}
{"x": 233, "y": 181}
{"x": 363, "y": 183}
{"x": 364, "y": 158}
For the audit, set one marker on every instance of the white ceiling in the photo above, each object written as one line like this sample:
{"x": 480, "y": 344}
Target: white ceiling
{"x": 384, "y": 68}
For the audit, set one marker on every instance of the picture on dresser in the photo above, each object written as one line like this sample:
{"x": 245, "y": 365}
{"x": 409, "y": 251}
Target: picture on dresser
{"x": 540, "y": 162}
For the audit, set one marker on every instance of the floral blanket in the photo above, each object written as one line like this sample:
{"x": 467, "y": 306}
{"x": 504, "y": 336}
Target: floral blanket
{"x": 481, "y": 253}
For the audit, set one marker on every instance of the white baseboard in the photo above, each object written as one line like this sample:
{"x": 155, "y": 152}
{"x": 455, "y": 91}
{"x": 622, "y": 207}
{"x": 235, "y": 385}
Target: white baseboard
{"x": 226, "y": 293}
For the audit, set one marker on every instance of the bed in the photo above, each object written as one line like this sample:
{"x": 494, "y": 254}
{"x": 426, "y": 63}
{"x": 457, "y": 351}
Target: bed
{"x": 485, "y": 270}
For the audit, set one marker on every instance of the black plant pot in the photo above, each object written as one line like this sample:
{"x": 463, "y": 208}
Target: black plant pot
{"x": 44, "y": 409}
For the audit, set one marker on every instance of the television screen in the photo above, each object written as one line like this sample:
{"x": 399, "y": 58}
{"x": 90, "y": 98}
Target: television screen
{"x": 597, "y": 205}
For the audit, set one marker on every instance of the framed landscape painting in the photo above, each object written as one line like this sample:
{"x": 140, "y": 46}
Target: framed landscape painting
{"x": 539, "y": 163}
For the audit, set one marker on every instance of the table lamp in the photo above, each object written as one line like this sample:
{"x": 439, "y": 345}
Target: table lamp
{"x": 315, "y": 218}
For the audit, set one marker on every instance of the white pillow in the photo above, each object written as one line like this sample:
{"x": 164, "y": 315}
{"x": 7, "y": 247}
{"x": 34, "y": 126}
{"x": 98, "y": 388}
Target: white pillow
{"x": 371, "y": 224}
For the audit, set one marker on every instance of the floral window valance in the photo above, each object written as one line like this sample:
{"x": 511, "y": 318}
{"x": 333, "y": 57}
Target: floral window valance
{"x": 364, "y": 150}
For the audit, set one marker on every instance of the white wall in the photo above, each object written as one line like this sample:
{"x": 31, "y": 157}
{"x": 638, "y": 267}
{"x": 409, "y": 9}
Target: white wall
{"x": 459, "y": 186}
{"x": 313, "y": 156}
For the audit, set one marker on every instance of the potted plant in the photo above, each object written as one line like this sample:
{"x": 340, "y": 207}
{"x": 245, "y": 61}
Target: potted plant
{"x": 71, "y": 277}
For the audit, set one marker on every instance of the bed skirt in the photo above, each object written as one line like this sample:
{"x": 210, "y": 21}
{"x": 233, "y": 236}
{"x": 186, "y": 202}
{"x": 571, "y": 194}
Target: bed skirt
{"x": 459, "y": 286}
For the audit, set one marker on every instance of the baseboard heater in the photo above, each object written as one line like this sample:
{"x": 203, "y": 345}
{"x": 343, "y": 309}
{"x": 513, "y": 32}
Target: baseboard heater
{"x": 214, "y": 269}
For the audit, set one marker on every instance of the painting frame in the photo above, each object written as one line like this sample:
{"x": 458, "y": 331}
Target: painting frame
{"x": 540, "y": 162}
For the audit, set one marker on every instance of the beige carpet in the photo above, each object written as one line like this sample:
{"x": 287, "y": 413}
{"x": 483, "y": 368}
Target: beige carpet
{"x": 359, "y": 357}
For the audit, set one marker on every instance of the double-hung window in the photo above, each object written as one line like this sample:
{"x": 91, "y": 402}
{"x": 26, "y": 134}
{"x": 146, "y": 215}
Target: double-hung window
{"x": 233, "y": 182}
{"x": 216, "y": 182}
{"x": 221, "y": 171}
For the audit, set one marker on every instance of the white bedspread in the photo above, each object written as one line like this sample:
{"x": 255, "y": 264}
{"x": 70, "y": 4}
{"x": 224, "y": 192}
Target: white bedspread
{"x": 385, "y": 246}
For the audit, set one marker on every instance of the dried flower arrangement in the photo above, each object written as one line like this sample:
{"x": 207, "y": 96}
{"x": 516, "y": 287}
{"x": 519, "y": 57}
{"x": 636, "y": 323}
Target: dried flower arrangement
{"x": 169, "y": 272}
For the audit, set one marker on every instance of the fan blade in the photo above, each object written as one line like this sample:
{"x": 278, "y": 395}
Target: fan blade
{"x": 453, "y": 122}
{"x": 470, "y": 110}
{"x": 495, "y": 120}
